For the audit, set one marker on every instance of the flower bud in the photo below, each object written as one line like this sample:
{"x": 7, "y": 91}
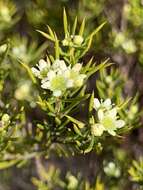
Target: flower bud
{"x": 78, "y": 40}
{"x": 5, "y": 119}
{"x": 97, "y": 130}
{"x": 72, "y": 182}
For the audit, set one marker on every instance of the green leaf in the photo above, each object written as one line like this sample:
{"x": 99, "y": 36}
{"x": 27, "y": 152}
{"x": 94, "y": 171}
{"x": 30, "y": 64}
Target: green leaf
{"x": 73, "y": 104}
{"x": 65, "y": 22}
{"x": 40, "y": 126}
{"x": 88, "y": 46}
{"x": 45, "y": 104}
{"x": 7, "y": 164}
{"x": 51, "y": 32}
{"x": 75, "y": 99}
{"x": 91, "y": 102}
{"x": 76, "y": 129}
{"x": 57, "y": 120}
{"x": 57, "y": 49}
{"x": 98, "y": 67}
{"x": 40, "y": 50}
{"x": 22, "y": 163}
{"x": 28, "y": 69}
{"x": 124, "y": 104}
{"x": 87, "y": 66}
{"x": 74, "y": 26}
{"x": 5, "y": 53}
{"x": 99, "y": 184}
{"x": 96, "y": 30}
{"x": 90, "y": 147}
{"x": 46, "y": 35}
{"x": 81, "y": 30}
{"x": 90, "y": 38}
{"x": 79, "y": 123}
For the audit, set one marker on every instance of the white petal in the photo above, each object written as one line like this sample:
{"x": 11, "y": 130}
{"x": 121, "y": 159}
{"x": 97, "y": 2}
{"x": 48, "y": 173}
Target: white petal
{"x": 59, "y": 64}
{"x": 107, "y": 103}
{"x": 70, "y": 83}
{"x": 83, "y": 76}
{"x": 96, "y": 103}
{"x": 79, "y": 81}
{"x": 57, "y": 93}
{"x": 111, "y": 132}
{"x": 67, "y": 73}
{"x": 51, "y": 75}
{"x": 44, "y": 80}
{"x": 35, "y": 71}
{"x": 77, "y": 67}
{"x": 120, "y": 123}
{"x": 63, "y": 65}
{"x": 100, "y": 114}
{"x": 42, "y": 64}
{"x": 112, "y": 113}
{"x": 46, "y": 85}
{"x": 48, "y": 62}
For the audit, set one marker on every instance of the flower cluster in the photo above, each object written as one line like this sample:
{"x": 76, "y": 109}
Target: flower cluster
{"x": 4, "y": 12}
{"x": 112, "y": 170}
{"x": 76, "y": 40}
{"x": 128, "y": 44}
{"x": 108, "y": 120}
{"x": 4, "y": 122}
{"x": 7, "y": 14}
{"x": 58, "y": 77}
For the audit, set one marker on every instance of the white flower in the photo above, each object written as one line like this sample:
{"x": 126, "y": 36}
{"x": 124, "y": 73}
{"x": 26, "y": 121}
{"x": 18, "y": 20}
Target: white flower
{"x": 42, "y": 70}
{"x": 54, "y": 82}
{"x": 105, "y": 105}
{"x": 108, "y": 120}
{"x": 112, "y": 170}
{"x": 58, "y": 77}
{"x": 97, "y": 104}
{"x": 23, "y": 92}
{"x": 74, "y": 78}
{"x": 129, "y": 46}
{"x": 36, "y": 72}
{"x": 20, "y": 51}
{"x": 59, "y": 66}
{"x": 42, "y": 64}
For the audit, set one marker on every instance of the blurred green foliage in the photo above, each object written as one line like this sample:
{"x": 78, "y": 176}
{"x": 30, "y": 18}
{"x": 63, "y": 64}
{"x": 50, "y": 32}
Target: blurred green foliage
{"x": 35, "y": 124}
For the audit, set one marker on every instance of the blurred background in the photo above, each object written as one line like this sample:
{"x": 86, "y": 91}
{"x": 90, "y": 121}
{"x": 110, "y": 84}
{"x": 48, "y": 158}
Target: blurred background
{"x": 121, "y": 40}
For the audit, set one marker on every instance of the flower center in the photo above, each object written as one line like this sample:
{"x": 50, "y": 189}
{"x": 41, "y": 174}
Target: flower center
{"x": 108, "y": 123}
{"x": 58, "y": 83}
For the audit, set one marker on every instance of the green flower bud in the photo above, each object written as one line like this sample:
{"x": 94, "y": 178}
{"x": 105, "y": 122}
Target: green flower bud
{"x": 3, "y": 48}
{"x": 23, "y": 92}
{"x": 72, "y": 182}
{"x": 78, "y": 40}
{"x": 97, "y": 129}
{"x": 65, "y": 42}
{"x": 5, "y": 119}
